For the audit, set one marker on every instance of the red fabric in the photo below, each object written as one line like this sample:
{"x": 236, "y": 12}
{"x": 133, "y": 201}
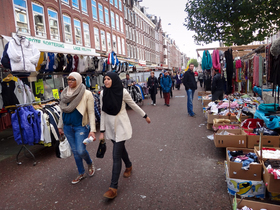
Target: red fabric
{"x": 271, "y": 149}
{"x": 256, "y": 71}
{"x": 216, "y": 60}
{"x": 166, "y": 97}
{"x": 195, "y": 73}
{"x": 249, "y": 133}
{"x": 252, "y": 123}
{"x": 76, "y": 62}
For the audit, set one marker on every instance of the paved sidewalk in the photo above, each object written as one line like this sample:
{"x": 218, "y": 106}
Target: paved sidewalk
{"x": 175, "y": 166}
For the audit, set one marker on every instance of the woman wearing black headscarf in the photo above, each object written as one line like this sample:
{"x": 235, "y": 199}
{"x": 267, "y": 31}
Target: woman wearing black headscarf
{"x": 116, "y": 126}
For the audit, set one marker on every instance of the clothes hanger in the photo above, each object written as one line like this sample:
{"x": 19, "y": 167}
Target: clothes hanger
{"x": 10, "y": 77}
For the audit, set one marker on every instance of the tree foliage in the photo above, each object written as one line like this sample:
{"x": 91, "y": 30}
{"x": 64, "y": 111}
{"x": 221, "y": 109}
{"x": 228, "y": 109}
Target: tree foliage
{"x": 194, "y": 61}
{"x": 232, "y": 21}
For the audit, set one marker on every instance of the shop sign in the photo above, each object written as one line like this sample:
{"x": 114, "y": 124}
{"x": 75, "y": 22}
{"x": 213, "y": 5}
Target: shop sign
{"x": 55, "y": 93}
{"x": 39, "y": 87}
{"x": 142, "y": 62}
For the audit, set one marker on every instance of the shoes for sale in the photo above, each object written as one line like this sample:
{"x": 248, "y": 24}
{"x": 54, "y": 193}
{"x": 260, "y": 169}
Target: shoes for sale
{"x": 111, "y": 193}
{"x": 78, "y": 179}
{"x": 127, "y": 172}
{"x": 91, "y": 170}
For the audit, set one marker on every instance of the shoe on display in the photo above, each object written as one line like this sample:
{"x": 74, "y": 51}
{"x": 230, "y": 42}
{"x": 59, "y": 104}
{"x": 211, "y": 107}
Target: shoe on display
{"x": 78, "y": 179}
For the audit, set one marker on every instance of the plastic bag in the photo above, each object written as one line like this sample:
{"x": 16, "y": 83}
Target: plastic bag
{"x": 64, "y": 148}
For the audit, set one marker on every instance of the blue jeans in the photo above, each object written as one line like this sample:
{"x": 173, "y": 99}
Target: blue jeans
{"x": 190, "y": 94}
{"x": 75, "y": 137}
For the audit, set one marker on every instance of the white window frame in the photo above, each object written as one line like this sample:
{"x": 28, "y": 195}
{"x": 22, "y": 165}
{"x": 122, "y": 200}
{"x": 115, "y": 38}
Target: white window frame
{"x": 85, "y": 10}
{"x": 70, "y": 28}
{"x": 103, "y": 38}
{"x": 76, "y": 35}
{"x": 126, "y": 32}
{"x": 119, "y": 45}
{"x": 121, "y": 24}
{"x": 117, "y": 22}
{"x": 100, "y": 8}
{"x": 108, "y": 24}
{"x": 27, "y": 17}
{"x": 112, "y": 2}
{"x": 109, "y": 43}
{"x": 92, "y": 5}
{"x": 44, "y": 22}
{"x": 123, "y": 46}
{"x": 86, "y": 30}
{"x": 96, "y": 36}
{"x": 116, "y": 3}
{"x": 114, "y": 41}
{"x": 128, "y": 51}
{"x": 75, "y": 6}
{"x": 65, "y": 1}
{"x": 51, "y": 18}
{"x": 120, "y": 5}
{"x": 125, "y": 13}
{"x": 113, "y": 24}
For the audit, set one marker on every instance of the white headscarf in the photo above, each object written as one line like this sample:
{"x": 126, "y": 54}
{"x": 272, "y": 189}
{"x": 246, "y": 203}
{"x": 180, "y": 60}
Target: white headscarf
{"x": 79, "y": 80}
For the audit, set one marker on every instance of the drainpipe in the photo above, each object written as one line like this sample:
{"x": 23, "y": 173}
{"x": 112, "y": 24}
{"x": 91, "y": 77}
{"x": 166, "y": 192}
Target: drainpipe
{"x": 61, "y": 20}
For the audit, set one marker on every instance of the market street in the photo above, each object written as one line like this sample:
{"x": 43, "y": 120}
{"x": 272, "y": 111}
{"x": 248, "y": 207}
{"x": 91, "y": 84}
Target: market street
{"x": 175, "y": 166}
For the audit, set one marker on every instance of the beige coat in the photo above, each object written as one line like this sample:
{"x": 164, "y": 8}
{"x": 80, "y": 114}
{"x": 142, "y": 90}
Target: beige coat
{"x": 86, "y": 108}
{"x": 118, "y": 128}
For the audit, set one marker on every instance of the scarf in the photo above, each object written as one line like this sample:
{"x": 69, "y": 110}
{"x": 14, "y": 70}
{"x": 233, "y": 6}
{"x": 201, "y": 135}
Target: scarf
{"x": 113, "y": 96}
{"x": 206, "y": 60}
{"x": 71, "y": 97}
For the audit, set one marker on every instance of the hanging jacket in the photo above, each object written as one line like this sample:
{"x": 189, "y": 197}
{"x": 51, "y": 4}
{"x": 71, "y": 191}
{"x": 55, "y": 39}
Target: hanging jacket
{"x": 9, "y": 97}
{"x": 100, "y": 65}
{"x": 5, "y": 58}
{"x": 82, "y": 64}
{"x": 216, "y": 60}
{"x": 42, "y": 62}
{"x": 23, "y": 54}
{"x": 50, "y": 62}
{"x": 69, "y": 63}
{"x": 36, "y": 123}
{"x": 20, "y": 92}
{"x": 75, "y": 63}
{"x": 60, "y": 62}
{"x": 95, "y": 63}
{"x": 90, "y": 63}
{"x": 217, "y": 83}
{"x": 26, "y": 126}
{"x": 206, "y": 60}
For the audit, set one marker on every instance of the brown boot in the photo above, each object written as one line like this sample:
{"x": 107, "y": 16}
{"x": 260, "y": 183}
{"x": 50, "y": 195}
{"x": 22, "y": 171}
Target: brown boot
{"x": 127, "y": 172}
{"x": 111, "y": 193}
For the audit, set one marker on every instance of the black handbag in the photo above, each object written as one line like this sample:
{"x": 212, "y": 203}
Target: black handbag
{"x": 101, "y": 149}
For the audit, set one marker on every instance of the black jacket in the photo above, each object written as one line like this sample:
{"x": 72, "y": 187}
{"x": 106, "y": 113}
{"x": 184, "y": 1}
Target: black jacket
{"x": 152, "y": 84}
{"x": 189, "y": 80}
{"x": 217, "y": 83}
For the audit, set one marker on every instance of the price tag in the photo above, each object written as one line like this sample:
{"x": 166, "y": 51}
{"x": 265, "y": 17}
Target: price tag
{"x": 55, "y": 93}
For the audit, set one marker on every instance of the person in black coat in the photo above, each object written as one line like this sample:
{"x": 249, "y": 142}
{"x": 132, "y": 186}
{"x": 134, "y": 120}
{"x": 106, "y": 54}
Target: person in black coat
{"x": 152, "y": 85}
{"x": 159, "y": 85}
{"x": 217, "y": 86}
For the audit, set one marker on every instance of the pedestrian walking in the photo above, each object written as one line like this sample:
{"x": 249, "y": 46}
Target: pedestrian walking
{"x": 77, "y": 111}
{"x": 152, "y": 85}
{"x": 166, "y": 84}
{"x": 172, "y": 85}
{"x": 190, "y": 86}
{"x": 200, "y": 78}
{"x": 115, "y": 124}
{"x": 178, "y": 80}
{"x": 217, "y": 86}
{"x": 159, "y": 85}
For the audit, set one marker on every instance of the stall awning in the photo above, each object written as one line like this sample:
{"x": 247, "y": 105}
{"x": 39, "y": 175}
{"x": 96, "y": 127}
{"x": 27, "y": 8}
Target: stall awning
{"x": 45, "y": 45}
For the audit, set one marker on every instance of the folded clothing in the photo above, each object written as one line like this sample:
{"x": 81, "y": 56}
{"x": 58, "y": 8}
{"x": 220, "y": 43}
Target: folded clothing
{"x": 266, "y": 132}
{"x": 240, "y": 157}
{"x": 270, "y": 153}
{"x": 273, "y": 167}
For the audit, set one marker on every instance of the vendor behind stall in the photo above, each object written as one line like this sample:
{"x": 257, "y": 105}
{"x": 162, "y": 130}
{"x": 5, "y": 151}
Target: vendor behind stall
{"x": 217, "y": 86}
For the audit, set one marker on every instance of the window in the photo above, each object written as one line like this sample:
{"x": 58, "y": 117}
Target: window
{"x": 111, "y": 2}
{"x": 133, "y": 35}
{"x": 128, "y": 51}
{"x": 100, "y": 9}
{"x": 126, "y": 31}
{"x": 21, "y": 17}
{"x": 136, "y": 36}
{"x": 84, "y": 5}
{"x": 130, "y": 34}
{"x": 39, "y": 20}
{"x": 66, "y": 1}
{"x": 131, "y": 16}
{"x": 96, "y": 38}
{"x": 94, "y": 10}
{"x": 128, "y": 14}
{"x": 86, "y": 34}
{"x": 109, "y": 41}
{"x": 53, "y": 22}
{"x": 120, "y": 5}
{"x": 123, "y": 46}
{"x": 103, "y": 40}
{"x": 136, "y": 19}
{"x": 114, "y": 43}
{"x": 107, "y": 16}
{"x": 119, "y": 45}
{"x": 75, "y": 3}
{"x": 125, "y": 14}
{"x": 121, "y": 23}
{"x": 117, "y": 22}
{"x": 116, "y": 3}
{"x": 113, "y": 19}
{"x": 67, "y": 28}
{"x": 78, "y": 32}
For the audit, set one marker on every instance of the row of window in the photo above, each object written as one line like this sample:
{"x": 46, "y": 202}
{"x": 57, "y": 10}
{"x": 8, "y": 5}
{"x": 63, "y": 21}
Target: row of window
{"x": 141, "y": 54}
{"x": 76, "y": 4}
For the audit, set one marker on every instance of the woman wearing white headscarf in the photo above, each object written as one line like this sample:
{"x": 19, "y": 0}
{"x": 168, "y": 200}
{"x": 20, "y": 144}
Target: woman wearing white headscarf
{"x": 77, "y": 112}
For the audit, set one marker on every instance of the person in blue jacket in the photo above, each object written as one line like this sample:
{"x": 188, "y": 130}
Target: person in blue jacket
{"x": 166, "y": 84}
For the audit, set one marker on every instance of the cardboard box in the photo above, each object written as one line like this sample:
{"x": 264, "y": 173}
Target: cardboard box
{"x": 235, "y": 169}
{"x": 267, "y": 141}
{"x": 205, "y": 102}
{"x": 272, "y": 185}
{"x": 244, "y": 188}
{"x": 257, "y": 151}
{"x": 238, "y": 140}
{"x": 274, "y": 196}
{"x": 211, "y": 117}
{"x": 209, "y": 126}
{"x": 256, "y": 205}
{"x": 203, "y": 93}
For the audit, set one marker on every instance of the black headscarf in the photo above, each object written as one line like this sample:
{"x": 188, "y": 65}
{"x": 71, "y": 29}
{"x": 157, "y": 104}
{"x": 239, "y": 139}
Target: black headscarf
{"x": 113, "y": 96}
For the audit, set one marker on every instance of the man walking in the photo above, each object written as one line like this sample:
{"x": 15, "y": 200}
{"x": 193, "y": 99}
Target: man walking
{"x": 217, "y": 86}
{"x": 190, "y": 86}
{"x": 152, "y": 85}
{"x": 166, "y": 84}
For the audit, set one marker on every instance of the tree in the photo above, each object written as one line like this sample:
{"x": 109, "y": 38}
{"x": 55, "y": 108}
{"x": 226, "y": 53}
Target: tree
{"x": 194, "y": 61}
{"x": 232, "y": 21}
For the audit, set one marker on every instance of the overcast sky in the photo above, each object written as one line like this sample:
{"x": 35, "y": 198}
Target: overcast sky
{"x": 172, "y": 11}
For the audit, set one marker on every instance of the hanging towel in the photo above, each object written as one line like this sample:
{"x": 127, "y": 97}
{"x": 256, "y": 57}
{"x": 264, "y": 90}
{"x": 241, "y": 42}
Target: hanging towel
{"x": 216, "y": 60}
{"x": 206, "y": 60}
{"x": 256, "y": 71}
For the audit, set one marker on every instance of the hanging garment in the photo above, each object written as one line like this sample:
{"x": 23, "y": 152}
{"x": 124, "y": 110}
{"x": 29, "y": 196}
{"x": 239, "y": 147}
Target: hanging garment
{"x": 35, "y": 123}
{"x": 9, "y": 97}
{"x": 69, "y": 63}
{"x": 95, "y": 62}
{"x": 113, "y": 60}
{"x": 60, "y": 62}
{"x": 53, "y": 124}
{"x": 42, "y": 62}
{"x": 229, "y": 70}
{"x": 20, "y": 92}
{"x": 238, "y": 66}
{"x": 5, "y": 58}
{"x": 269, "y": 58}
{"x": 82, "y": 64}
{"x": 29, "y": 95}
{"x": 45, "y": 137}
{"x": 90, "y": 63}
{"x": 50, "y": 62}
{"x": 100, "y": 80}
{"x": 23, "y": 54}
{"x": 256, "y": 71}
{"x": 216, "y": 60}
{"x": 206, "y": 60}
{"x": 88, "y": 82}
{"x": 1, "y": 98}
{"x": 93, "y": 81}
{"x": 260, "y": 70}
{"x": 100, "y": 65}
{"x": 75, "y": 63}
{"x": 48, "y": 127}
